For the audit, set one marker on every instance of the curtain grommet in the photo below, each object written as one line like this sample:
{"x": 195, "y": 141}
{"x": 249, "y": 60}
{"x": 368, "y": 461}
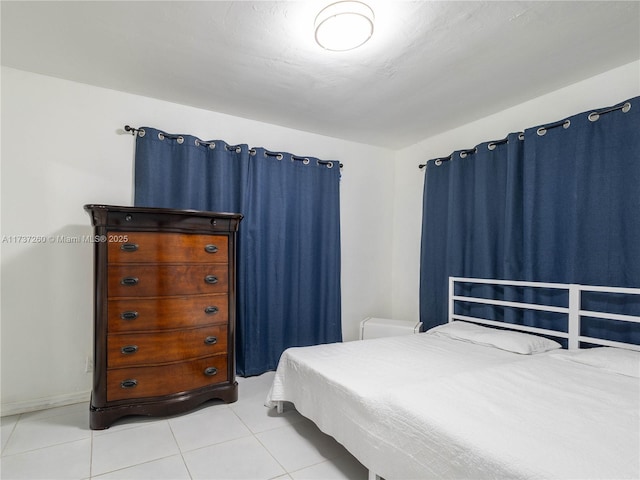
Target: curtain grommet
{"x": 566, "y": 124}
{"x": 491, "y": 146}
{"x": 438, "y": 162}
{"x": 212, "y": 145}
{"x": 626, "y": 107}
{"x": 268, "y": 154}
{"x": 593, "y": 116}
{"x": 141, "y": 132}
{"x": 541, "y": 131}
{"x": 305, "y": 161}
{"x": 160, "y": 136}
{"x": 180, "y": 140}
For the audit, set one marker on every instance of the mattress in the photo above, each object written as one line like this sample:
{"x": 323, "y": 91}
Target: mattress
{"x": 422, "y": 406}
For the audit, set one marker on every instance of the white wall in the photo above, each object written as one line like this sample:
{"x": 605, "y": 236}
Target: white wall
{"x": 603, "y": 90}
{"x": 63, "y": 147}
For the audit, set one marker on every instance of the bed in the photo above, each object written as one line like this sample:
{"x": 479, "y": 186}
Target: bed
{"x": 468, "y": 400}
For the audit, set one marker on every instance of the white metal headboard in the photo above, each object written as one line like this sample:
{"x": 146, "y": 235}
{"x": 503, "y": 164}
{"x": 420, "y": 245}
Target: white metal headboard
{"x": 574, "y": 310}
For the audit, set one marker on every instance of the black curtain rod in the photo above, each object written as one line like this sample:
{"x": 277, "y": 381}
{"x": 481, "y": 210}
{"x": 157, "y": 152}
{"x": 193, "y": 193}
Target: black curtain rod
{"x": 593, "y": 117}
{"x": 304, "y": 160}
{"x": 279, "y": 156}
{"x": 445, "y": 159}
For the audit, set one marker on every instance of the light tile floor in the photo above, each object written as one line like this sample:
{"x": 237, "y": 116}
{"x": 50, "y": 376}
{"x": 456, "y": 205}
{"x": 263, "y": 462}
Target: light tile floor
{"x": 242, "y": 440}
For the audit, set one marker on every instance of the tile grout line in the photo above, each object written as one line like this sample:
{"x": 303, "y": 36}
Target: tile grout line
{"x": 13, "y": 429}
{"x": 142, "y": 425}
{"x": 186, "y": 466}
{"x": 254, "y": 435}
{"x": 44, "y": 447}
{"x": 272, "y": 456}
{"x": 91, "y": 457}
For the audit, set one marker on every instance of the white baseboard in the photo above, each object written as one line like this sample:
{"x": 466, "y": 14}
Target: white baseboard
{"x": 15, "y": 408}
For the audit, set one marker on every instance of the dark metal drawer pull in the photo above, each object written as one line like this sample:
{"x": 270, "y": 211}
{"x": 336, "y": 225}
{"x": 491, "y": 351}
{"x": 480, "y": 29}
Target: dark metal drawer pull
{"x": 211, "y": 248}
{"x": 210, "y": 310}
{"x": 211, "y": 279}
{"x": 129, "y": 247}
{"x": 129, "y": 349}
{"x": 131, "y": 315}
{"x": 210, "y": 371}
{"x": 130, "y": 383}
{"x": 211, "y": 340}
{"x": 129, "y": 281}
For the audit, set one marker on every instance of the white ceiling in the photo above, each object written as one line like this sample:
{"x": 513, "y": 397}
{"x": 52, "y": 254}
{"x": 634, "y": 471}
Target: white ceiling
{"x": 429, "y": 67}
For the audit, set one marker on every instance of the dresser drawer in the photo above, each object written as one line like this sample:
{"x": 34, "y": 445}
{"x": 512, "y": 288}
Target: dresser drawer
{"x": 149, "y": 247}
{"x": 161, "y": 313}
{"x": 164, "y": 347}
{"x": 140, "y": 382}
{"x": 162, "y": 280}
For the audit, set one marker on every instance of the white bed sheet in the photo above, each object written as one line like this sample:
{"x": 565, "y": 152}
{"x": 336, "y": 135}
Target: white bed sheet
{"x": 341, "y": 386}
{"x": 544, "y": 418}
{"x": 420, "y": 406}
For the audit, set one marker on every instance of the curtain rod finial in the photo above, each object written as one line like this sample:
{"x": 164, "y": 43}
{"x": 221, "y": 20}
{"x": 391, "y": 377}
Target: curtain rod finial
{"x": 131, "y": 130}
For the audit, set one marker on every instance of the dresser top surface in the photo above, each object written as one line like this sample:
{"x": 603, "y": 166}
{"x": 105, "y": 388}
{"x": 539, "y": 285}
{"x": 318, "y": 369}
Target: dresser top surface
{"x": 164, "y": 211}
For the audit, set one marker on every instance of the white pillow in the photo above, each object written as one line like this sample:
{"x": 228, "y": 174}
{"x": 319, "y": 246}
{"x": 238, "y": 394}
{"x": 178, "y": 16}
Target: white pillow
{"x": 457, "y": 330}
{"x": 517, "y": 342}
{"x": 617, "y": 360}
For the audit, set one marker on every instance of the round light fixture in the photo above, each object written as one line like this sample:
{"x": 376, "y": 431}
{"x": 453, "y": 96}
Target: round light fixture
{"x": 344, "y": 26}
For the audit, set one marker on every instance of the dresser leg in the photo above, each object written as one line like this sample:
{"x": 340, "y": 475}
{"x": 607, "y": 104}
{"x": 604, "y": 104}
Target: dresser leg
{"x": 100, "y": 419}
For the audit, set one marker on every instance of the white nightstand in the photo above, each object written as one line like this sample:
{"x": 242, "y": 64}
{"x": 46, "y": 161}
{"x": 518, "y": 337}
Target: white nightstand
{"x": 372, "y": 327}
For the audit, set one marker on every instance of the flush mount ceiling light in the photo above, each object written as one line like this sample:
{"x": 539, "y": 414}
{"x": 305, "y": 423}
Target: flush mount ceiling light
{"x": 344, "y": 26}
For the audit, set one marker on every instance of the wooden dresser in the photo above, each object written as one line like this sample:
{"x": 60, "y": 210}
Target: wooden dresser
{"x": 164, "y": 311}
